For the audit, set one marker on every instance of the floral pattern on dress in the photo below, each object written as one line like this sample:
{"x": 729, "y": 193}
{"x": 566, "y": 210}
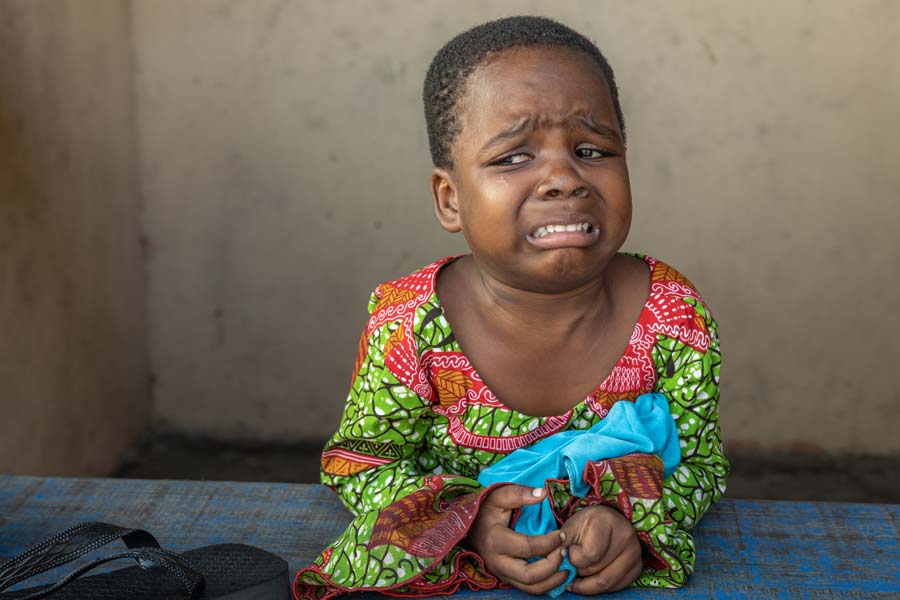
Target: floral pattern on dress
{"x": 419, "y": 424}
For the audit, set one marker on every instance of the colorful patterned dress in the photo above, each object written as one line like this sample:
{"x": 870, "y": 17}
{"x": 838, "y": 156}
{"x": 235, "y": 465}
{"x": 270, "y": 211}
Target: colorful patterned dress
{"x": 420, "y": 424}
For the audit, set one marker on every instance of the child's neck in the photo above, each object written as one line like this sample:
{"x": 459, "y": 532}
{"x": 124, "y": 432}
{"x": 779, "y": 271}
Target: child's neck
{"x": 559, "y": 312}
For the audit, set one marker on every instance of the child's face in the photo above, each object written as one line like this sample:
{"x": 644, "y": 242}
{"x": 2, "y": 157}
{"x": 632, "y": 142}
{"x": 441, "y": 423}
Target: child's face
{"x": 540, "y": 145}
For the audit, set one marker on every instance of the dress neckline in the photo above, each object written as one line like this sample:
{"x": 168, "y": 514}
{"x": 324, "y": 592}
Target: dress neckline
{"x": 651, "y": 263}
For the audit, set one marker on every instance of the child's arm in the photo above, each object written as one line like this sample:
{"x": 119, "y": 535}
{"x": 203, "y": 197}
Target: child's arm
{"x": 407, "y": 521}
{"x": 692, "y": 386}
{"x": 409, "y": 518}
{"x": 693, "y": 392}
{"x": 371, "y": 460}
{"x": 689, "y": 378}
{"x": 662, "y": 512}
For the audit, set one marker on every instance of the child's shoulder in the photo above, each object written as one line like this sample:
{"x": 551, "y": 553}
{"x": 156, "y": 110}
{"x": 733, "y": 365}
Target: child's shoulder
{"x": 674, "y": 305}
{"x": 664, "y": 275}
{"x": 406, "y": 294}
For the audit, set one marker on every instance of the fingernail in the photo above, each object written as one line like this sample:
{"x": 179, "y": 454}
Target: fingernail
{"x": 537, "y": 492}
{"x": 562, "y": 552}
{"x": 562, "y": 536}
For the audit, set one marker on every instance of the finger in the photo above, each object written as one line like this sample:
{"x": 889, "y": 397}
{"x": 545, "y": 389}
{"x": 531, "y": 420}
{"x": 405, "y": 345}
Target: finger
{"x": 601, "y": 544}
{"x": 539, "y": 589}
{"x": 511, "y": 497}
{"x": 590, "y": 569}
{"x": 518, "y": 545}
{"x": 529, "y": 573}
{"x": 592, "y": 548}
{"x": 631, "y": 547}
{"x": 617, "y": 544}
{"x": 628, "y": 578}
{"x": 498, "y": 505}
{"x": 617, "y": 575}
{"x": 541, "y": 575}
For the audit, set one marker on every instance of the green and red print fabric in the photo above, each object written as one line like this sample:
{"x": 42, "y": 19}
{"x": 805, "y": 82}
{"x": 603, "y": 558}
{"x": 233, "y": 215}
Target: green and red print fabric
{"x": 420, "y": 424}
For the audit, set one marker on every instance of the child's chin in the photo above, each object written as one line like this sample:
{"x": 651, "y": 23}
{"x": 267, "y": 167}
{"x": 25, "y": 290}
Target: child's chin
{"x": 568, "y": 269}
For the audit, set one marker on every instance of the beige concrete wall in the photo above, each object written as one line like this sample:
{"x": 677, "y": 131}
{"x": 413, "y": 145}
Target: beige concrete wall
{"x": 284, "y": 163}
{"x": 73, "y": 367}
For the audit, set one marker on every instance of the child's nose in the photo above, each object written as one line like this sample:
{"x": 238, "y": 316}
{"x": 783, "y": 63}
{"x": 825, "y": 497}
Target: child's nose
{"x": 562, "y": 180}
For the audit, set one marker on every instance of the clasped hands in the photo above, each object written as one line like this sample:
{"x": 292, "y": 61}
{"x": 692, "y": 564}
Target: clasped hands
{"x": 600, "y": 542}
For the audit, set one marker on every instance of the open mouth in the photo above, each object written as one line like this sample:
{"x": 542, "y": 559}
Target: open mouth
{"x": 544, "y": 230}
{"x": 565, "y": 235}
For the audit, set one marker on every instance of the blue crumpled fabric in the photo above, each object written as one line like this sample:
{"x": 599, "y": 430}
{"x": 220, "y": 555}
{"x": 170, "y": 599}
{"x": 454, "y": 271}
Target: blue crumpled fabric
{"x": 644, "y": 426}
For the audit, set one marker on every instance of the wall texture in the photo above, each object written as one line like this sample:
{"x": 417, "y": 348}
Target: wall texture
{"x": 73, "y": 353}
{"x": 284, "y": 166}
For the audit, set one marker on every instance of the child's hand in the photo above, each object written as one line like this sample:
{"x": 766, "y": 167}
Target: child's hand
{"x": 604, "y": 550}
{"x": 505, "y": 551}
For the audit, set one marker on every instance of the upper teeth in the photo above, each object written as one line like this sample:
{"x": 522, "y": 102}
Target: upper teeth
{"x": 545, "y": 229}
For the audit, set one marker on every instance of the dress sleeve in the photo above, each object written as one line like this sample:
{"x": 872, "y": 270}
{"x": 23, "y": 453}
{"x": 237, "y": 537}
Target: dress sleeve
{"x": 692, "y": 386}
{"x": 688, "y": 368}
{"x": 407, "y": 521}
{"x": 691, "y": 382}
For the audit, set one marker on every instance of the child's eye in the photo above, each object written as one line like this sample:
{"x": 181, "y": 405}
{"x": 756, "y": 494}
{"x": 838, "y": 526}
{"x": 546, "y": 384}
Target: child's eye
{"x": 591, "y": 152}
{"x": 513, "y": 159}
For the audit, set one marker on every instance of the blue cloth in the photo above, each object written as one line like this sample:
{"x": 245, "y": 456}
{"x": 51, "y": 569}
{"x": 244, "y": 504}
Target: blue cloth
{"x": 644, "y": 426}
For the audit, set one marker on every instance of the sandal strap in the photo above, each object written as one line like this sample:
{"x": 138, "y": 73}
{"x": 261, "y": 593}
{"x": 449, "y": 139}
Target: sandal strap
{"x": 68, "y": 545}
{"x": 148, "y": 559}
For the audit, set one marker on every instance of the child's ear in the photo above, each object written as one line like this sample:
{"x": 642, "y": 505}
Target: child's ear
{"x": 446, "y": 200}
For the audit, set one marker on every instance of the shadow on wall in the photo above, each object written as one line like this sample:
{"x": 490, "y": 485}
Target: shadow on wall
{"x": 29, "y": 260}
{"x": 72, "y": 313}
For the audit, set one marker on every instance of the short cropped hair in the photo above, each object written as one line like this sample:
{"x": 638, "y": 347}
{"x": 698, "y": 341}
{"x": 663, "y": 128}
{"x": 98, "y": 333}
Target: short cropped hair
{"x": 445, "y": 82}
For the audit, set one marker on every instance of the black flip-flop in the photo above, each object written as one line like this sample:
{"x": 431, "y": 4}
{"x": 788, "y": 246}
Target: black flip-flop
{"x": 220, "y": 572}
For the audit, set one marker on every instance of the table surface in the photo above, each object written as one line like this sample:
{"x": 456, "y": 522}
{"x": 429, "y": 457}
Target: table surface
{"x": 746, "y": 548}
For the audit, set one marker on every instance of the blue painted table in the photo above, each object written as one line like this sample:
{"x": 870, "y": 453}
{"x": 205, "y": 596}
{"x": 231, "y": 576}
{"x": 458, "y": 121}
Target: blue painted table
{"x": 747, "y": 549}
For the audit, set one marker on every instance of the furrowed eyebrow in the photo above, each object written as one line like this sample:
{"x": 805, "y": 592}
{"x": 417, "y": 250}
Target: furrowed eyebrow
{"x": 525, "y": 123}
{"x": 507, "y": 134}
{"x": 600, "y": 129}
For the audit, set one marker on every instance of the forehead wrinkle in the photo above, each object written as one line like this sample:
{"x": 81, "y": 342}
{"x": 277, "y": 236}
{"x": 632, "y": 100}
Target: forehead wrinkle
{"x": 570, "y": 120}
{"x": 521, "y": 124}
